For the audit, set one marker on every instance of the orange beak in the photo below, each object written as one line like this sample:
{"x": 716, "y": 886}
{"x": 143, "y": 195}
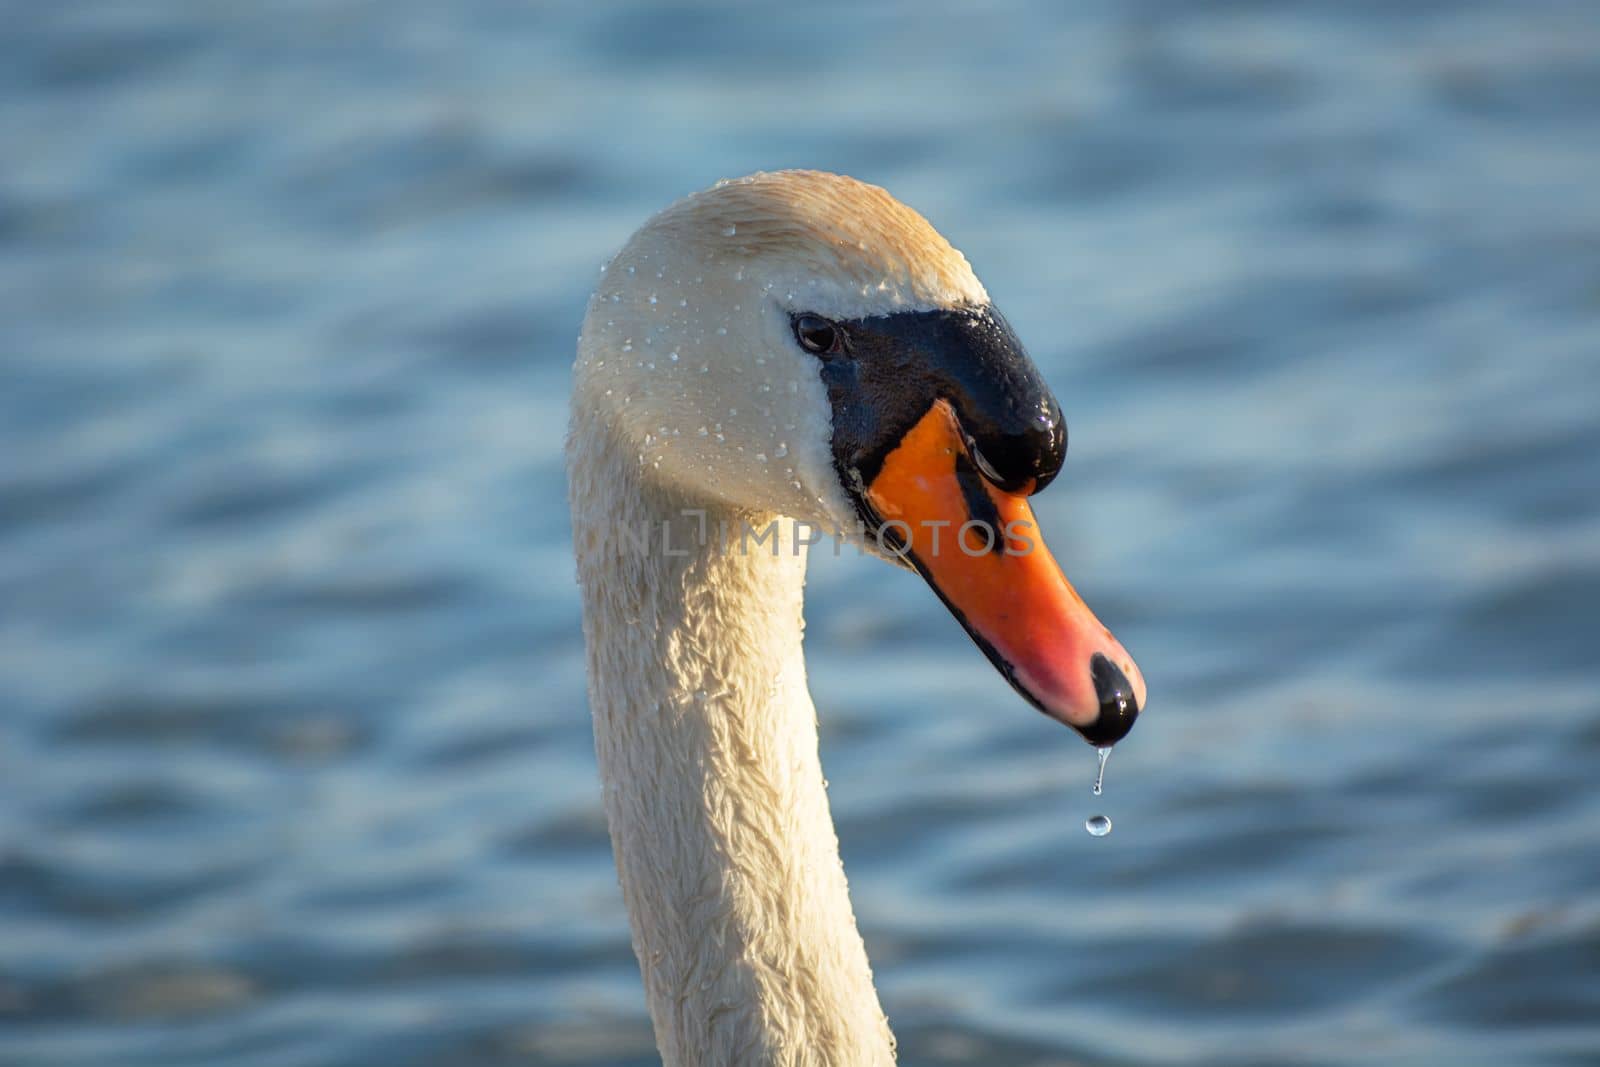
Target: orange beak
{"x": 980, "y": 549}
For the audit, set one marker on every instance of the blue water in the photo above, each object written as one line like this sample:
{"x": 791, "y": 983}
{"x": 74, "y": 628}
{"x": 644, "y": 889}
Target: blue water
{"x": 295, "y": 766}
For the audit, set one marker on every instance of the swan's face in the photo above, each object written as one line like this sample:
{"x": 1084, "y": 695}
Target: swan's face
{"x": 804, "y": 345}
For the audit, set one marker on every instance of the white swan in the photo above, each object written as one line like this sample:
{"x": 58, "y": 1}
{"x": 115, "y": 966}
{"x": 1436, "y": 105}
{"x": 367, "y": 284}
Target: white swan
{"x": 790, "y": 346}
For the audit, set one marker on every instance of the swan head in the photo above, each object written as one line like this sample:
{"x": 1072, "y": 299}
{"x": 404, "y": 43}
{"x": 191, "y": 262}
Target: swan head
{"x": 802, "y": 344}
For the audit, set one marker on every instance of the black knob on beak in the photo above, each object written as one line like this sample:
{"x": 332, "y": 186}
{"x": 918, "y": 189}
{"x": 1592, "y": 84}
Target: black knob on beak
{"x": 1118, "y": 706}
{"x": 1015, "y": 428}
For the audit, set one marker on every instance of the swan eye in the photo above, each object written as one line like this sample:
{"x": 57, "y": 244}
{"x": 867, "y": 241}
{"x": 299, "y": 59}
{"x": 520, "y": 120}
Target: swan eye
{"x": 816, "y": 334}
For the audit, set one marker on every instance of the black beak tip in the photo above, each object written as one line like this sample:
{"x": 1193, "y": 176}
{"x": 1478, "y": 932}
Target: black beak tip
{"x": 1118, "y": 706}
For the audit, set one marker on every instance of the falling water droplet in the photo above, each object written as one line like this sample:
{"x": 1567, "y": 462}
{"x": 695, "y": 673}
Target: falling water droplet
{"x": 1099, "y": 825}
{"x": 1104, "y": 752}
{"x": 729, "y": 231}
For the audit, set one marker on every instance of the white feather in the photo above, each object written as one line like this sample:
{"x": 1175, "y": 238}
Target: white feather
{"x": 694, "y": 412}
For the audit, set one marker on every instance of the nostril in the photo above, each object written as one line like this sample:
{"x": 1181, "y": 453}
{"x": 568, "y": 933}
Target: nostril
{"x": 985, "y": 468}
{"x": 1014, "y": 462}
{"x": 1118, "y": 705}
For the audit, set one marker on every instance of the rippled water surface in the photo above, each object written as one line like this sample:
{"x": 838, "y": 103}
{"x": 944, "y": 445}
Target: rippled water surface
{"x": 295, "y": 765}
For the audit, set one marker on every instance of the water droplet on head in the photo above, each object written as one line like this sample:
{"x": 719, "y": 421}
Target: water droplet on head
{"x": 1097, "y": 825}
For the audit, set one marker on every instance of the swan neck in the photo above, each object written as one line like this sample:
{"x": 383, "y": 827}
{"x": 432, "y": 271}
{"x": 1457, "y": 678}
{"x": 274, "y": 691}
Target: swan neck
{"x": 706, "y": 741}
